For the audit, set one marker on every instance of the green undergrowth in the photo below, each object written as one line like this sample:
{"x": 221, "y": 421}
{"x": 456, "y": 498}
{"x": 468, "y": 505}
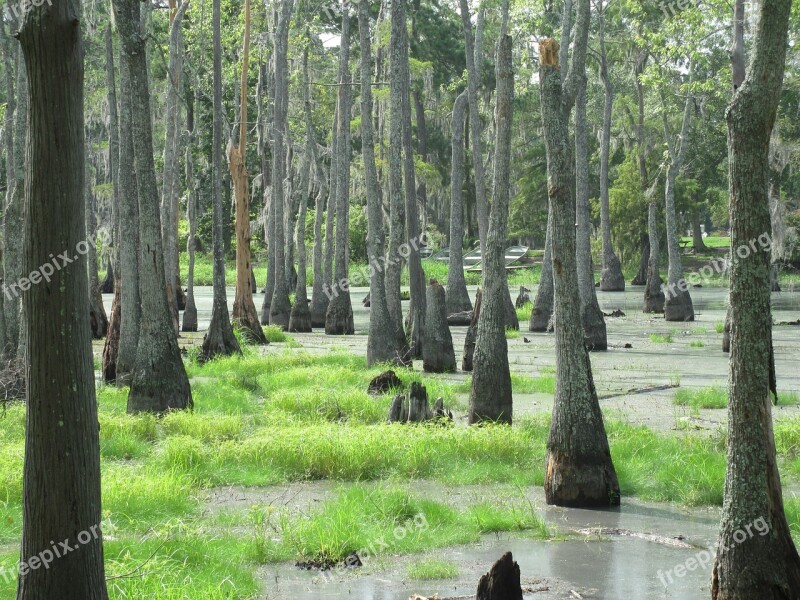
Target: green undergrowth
{"x": 289, "y": 416}
{"x": 717, "y": 397}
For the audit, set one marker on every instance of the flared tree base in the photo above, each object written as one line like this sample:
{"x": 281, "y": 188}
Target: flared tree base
{"x": 586, "y": 485}
{"x": 458, "y": 300}
{"x": 111, "y": 348}
{"x": 159, "y": 383}
{"x": 300, "y": 319}
{"x": 541, "y": 320}
{"x": 510, "y": 312}
{"x": 98, "y": 320}
{"x": 611, "y": 277}
{"x": 339, "y": 318}
{"x": 679, "y": 307}
{"x": 653, "y": 298}
{"x": 219, "y": 341}
{"x": 246, "y": 319}
{"x": 189, "y": 322}
{"x": 280, "y": 311}
{"x": 594, "y": 328}
{"x": 319, "y": 308}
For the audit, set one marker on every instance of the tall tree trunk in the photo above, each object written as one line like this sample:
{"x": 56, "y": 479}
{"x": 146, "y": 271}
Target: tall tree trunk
{"x": 159, "y": 380}
{"x": 266, "y": 87}
{"x": 394, "y": 259}
{"x": 490, "y": 398}
{"x": 594, "y": 325}
{"x": 111, "y": 348}
{"x": 653, "y": 294}
{"x": 578, "y": 466}
{"x": 383, "y": 345}
{"x": 611, "y": 276}
{"x": 542, "y": 311}
{"x": 98, "y": 320}
{"x": 9, "y": 319}
{"x": 280, "y": 308}
{"x": 171, "y": 180}
{"x": 244, "y": 309}
{"x": 219, "y": 339}
{"x": 330, "y": 209}
{"x": 417, "y": 309}
{"x": 473, "y": 82}
{"x": 190, "y": 312}
{"x": 644, "y": 259}
{"x": 130, "y": 304}
{"x": 767, "y": 565}
{"x": 339, "y": 318}
{"x": 677, "y": 301}
{"x": 61, "y": 490}
{"x": 457, "y": 296}
{"x": 300, "y": 320}
{"x": 698, "y": 244}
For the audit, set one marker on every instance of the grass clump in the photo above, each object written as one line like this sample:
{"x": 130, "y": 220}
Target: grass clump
{"x": 658, "y": 338}
{"x": 512, "y": 334}
{"x": 717, "y": 397}
{"x": 696, "y": 344}
{"x": 524, "y": 312}
{"x": 719, "y": 327}
{"x": 429, "y": 569}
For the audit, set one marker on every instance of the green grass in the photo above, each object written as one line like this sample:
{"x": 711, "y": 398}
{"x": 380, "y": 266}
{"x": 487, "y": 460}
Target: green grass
{"x": 430, "y": 568}
{"x": 658, "y": 338}
{"x": 710, "y": 242}
{"x": 696, "y": 344}
{"x": 512, "y": 334}
{"x": 520, "y": 384}
{"x": 716, "y": 397}
{"x": 524, "y": 313}
{"x": 719, "y": 327}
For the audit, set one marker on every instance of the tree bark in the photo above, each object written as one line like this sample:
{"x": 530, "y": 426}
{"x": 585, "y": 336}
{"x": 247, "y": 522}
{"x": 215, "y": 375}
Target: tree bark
{"x": 111, "y": 348}
{"x": 190, "y": 312}
{"x": 8, "y": 318}
{"x": 490, "y": 398}
{"x": 457, "y": 296}
{"x": 383, "y": 344}
{"x": 130, "y": 305}
{"x": 280, "y": 308}
{"x": 244, "y": 309}
{"x": 473, "y": 82}
{"x": 678, "y": 301}
{"x": 594, "y": 325}
{"x": 578, "y": 466}
{"x": 759, "y": 566}
{"x": 611, "y": 276}
{"x": 159, "y": 381}
{"x": 98, "y": 320}
{"x": 542, "y": 311}
{"x": 644, "y": 260}
{"x": 171, "y": 179}
{"x": 438, "y": 355}
{"x": 61, "y": 491}
{"x": 339, "y": 318}
{"x": 219, "y": 339}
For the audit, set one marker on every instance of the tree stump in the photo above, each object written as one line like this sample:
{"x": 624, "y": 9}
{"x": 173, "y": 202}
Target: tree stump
{"x": 523, "y": 298}
{"x": 440, "y": 412}
{"x": 502, "y": 582}
{"x": 385, "y": 382}
{"x": 472, "y": 335}
{"x": 419, "y": 409}
{"x": 398, "y": 411}
{"x": 414, "y": 407}
{"x": 438, "y": 355}
{"x": 107, "y": 285}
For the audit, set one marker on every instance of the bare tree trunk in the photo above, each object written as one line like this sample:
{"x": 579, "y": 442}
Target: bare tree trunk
{"x": 171, "y": 179}
{"x": 677, "y": 302}
{"x": 111, "y": 348}
{"x": 190, "y": 312}
{"x": 98, "y": 320}
{"x": 594, "y": 325}
{"x": 159, "y": 382}
{"x": 244, "y": 309}
{"x": 697, "y": 233}
{"x": 219, "y": 339}
{"x": 578, "y": 467}
{"x": 542, "y": 311}
{"x": 10, "y": 324}
{"x": 473, "y": 83}
{"x": 490, "y": 398}
{"x": 131, "y": 307}
{"x": 383, "y": 345}
{"x": 611, "y": 276}
{"x": 644, "y": 259}
{"x": 764, "y": 566}
{"x": 339, "y": 318}
{"x": 61, "y": 492}
{"x": 397, "y": 203}
{"x": 457, "y": 296}
{"x": 280, "y": 308}
{"x": 416, "y": 310}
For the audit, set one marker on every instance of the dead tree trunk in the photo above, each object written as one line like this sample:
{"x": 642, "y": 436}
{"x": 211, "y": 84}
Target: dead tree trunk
{"x": 578, "y": 466}
{"x": 502, "y": 582}
{"x": 244, "y": 309}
